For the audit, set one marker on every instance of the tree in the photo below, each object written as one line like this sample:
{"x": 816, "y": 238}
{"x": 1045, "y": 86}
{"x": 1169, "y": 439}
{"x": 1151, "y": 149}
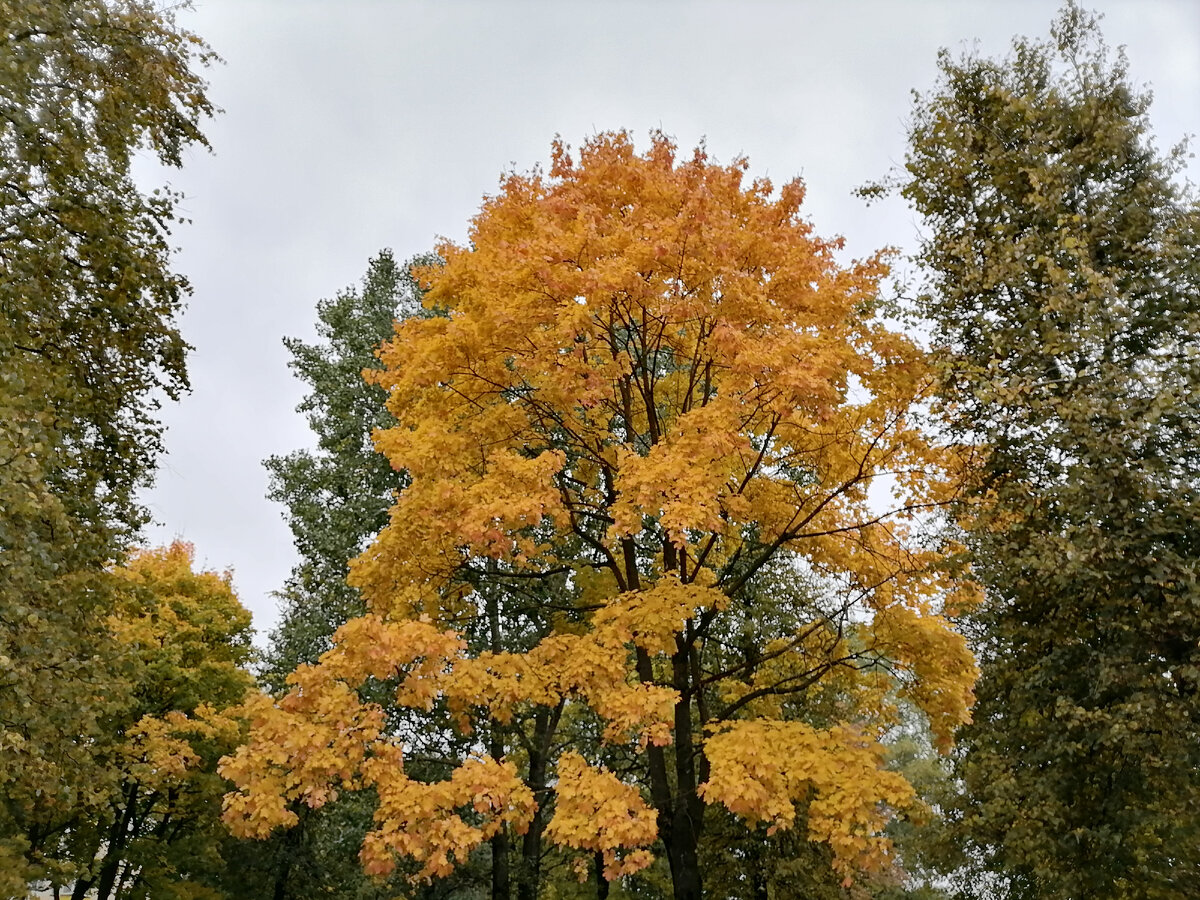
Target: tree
{"x": 88, "y": 346}
{"x": 337, "y": 496}
{"x": 653, "y": 383}
{"x": 336, "y": 500}
{"x": 186, "y": 642}
{"x": 1064, "y": 275}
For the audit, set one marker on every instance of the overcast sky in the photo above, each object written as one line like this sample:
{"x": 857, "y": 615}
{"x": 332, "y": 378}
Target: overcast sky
{"x": 355, "y": 125}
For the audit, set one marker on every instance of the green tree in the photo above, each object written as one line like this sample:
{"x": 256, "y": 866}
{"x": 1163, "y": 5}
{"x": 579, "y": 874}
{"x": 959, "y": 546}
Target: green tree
{"x": 336, "y": 496}
{"x": 1064, "y": 294}
{"x": 88, "y": 347}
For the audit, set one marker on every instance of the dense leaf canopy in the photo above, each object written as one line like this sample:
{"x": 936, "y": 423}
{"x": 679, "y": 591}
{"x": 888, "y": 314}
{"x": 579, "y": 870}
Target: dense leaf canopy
{"x": 653, "y": 381}
{"x": 88, "y": 346}
{"x": 1065, "y": 269}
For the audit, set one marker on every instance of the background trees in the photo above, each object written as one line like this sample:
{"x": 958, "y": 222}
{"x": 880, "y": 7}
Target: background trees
{"x": 336, "y": 500}
{"x": 88, "y": 346}
{"x": 337, "y": 496}
{"x": 1064, "y": 276}
{"x": 652, "y": 384}
{"x": 179, "y": 647}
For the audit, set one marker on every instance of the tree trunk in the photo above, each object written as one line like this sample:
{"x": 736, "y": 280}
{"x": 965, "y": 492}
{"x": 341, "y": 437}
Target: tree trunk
{"x": 683, "y": 851}
{"x": 500, "y": 874}
{"x": 759, "y": 873}
{"x": 500, "y": 843}
{"x": 118, "y": 840}
{"x": 108, "y": 875}
{"x": 679, "y": 809}
{"x": 545, "y": 723}
{"x": 289, "y": 846}
{"x": 601, "y": 881}
{"x": 123, "y": 882}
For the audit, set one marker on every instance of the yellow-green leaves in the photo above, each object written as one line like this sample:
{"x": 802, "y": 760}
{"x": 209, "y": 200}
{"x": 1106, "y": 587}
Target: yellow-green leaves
{"x": 1061, "y": 255}
{"x": 88, "y": 348}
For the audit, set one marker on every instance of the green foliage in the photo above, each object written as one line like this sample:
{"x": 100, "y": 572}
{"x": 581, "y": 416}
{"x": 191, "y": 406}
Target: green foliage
{"x": 87, "y": 294}
{"x": 1064, "y": 268}
{"x": 925, "y": 846}
{"x": 88, "y": 346}
{"x": 337, "y": 496}
{"x": 179, "y": 644}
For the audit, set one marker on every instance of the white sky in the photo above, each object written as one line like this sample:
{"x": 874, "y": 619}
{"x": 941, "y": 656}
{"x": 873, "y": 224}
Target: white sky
{"x": 361, "y": 124}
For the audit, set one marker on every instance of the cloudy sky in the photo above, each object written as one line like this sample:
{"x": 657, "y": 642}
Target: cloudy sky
{"x": 355, "y": 125}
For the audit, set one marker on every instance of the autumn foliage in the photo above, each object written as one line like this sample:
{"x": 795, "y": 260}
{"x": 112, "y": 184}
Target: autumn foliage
{"x": 184, "y": 640}
{"x": 650, "y": 385}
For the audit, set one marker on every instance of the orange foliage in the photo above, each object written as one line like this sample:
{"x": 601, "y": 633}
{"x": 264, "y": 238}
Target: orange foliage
{"x": 596, "y": 811}
{"x": 761, "y": 768}
{"x": 419, "y": 820}
{"x": 653, "y": 377}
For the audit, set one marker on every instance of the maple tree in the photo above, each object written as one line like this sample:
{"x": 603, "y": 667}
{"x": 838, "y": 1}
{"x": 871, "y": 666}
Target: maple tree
{"x": 185, "y": 642}
{"x": 1063, "y": 278}
{"x": 653, "y": 384}
{"x": 181, "y": 645}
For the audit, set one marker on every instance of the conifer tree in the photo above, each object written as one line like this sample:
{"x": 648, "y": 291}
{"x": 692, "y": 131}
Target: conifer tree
{"x": 336, "y": 496}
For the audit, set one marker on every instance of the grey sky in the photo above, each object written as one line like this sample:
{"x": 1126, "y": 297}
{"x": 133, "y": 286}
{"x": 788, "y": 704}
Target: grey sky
{"x": 353, "y": 126}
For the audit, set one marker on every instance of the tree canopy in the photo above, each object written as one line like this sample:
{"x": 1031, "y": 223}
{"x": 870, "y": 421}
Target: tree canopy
{"x": 88, "y": 347}
{"x": 639, "y": 545}
{"x": 1064, "y": 275}
{"x": 652, "y": 383}
{"x": 185, "y": 644}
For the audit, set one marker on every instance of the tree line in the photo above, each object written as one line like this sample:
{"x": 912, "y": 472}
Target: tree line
{"x": 646, "y": 549}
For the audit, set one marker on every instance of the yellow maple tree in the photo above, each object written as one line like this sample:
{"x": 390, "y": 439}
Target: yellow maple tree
{"x": 651, "y": 384}
{"x": 183, "y": 640}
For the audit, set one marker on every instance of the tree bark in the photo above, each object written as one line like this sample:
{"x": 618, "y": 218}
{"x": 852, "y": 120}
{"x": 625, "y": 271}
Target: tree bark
{"x": 683, "y": 849}
{"x": 500, "y": 872}
{"x": 759, "y": 874}
{"x": 545, "y": 723}
{"x": 501, "y": 879}
{"x": 290, "y": 845}
{"x": 601, "y": 881}
{"x": 680, "y": 810}
{"x": 118, "y": 840}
